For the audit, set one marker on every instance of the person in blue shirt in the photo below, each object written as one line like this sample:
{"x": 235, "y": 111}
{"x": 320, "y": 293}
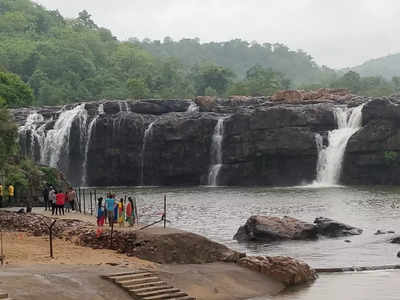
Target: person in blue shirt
{"x": 110, "y": 208}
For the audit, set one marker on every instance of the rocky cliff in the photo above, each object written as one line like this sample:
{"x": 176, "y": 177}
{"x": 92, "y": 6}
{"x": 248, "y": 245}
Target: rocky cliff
{"x": 261, "y": 141}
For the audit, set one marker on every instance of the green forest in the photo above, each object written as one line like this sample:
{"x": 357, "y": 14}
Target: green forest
{"x": 54, "y": 60}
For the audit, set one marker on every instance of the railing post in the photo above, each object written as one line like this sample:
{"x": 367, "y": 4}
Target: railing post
{"x": 91, "y": 205}
{"x": 84, "y": 202}
{"x": 165, "y": 211}
{"x": 80, "y": 200}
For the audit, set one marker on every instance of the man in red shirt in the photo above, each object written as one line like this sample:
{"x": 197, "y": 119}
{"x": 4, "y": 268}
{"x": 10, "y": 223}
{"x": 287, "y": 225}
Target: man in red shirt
{"x": 60, "y": 202}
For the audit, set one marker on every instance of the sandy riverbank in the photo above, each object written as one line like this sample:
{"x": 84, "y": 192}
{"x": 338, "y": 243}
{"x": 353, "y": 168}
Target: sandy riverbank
{"x": 76, "y": 269}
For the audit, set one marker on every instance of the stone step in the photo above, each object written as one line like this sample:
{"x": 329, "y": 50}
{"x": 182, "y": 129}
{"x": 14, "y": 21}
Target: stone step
{"x": 156, "y": 293}
{"x": 139, "y": 280}
{"x": 143, "y": 285}
{"x": 125, "y": 273}
{"x": 3, "y": 295}
{"x": 131, "y": 276}
{"x": 166, "y": 296}
{"x": 163, "y": 286}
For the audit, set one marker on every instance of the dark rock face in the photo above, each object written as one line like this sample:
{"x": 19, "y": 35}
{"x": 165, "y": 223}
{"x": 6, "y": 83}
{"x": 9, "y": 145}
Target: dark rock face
{"x": 331, "y": 228}
{"x": 373, "y": 153}
{"x": 264, "y": 143}
{"x": 266, "y": 229}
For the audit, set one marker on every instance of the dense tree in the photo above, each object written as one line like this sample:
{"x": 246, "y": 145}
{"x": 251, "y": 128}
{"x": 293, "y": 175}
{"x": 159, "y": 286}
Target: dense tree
{"x": 14, "y": 91}
{"x": 212, "y": 77}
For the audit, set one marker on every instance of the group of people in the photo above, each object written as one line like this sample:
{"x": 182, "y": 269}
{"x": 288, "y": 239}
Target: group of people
{"x": 115, "y": 211}
{"x": 10, "y": 193}
{"x": 59, "y": 201}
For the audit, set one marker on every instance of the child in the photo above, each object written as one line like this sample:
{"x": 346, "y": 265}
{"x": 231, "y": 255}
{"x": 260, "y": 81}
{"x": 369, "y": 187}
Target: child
{"x": 121, "y": 212}
{"x": 100, "y": 212}
{"x": 130, "y": 216}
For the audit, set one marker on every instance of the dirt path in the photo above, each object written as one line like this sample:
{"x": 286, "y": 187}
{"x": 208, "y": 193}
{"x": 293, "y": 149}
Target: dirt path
{"x": 23, "y": 249}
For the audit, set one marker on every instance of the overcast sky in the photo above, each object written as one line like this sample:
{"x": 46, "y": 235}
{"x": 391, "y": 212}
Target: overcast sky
{"x": 337, "y": 33}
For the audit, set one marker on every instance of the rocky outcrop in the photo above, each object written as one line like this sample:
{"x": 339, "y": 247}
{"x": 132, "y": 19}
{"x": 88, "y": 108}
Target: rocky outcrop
{"x": 299, "y": 96}
{"x": 261, "y": 228}
{"x": 331, "y": 228}
{"x": 267, "y": 229}
{"x": 373, "y": 153}
{"x": 287, "y": 270}
{"x": 266, "y": 141}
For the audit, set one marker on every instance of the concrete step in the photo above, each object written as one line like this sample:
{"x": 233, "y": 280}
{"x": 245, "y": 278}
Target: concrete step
{"x": 166, "y": 296}
{"x": 151, "y": 288}
{"x": 139, "y": 280}
{"x": 129, "y": 277}
{"x": 124, "y": 273}
{"x": 156, "y": 293}
{"x": 147, "y": 284}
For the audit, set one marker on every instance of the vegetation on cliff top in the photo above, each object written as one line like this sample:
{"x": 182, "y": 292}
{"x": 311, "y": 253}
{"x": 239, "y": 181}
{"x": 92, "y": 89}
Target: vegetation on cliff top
{"x": 68, "y": 60}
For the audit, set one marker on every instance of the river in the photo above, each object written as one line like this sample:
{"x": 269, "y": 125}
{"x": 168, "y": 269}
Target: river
{"x": 218, "y": 212}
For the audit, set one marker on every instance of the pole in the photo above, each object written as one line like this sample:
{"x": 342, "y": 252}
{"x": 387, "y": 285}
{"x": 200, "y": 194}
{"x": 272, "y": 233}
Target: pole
{"x": 165, "y": 211}
{"x": 51, "y": 237}
{"x": 80, "y": 202}
{"x": 91, "y": 205}
{"x": 112, "y": 230}
{"x": 136, "y": 212}
{"x": 84, "y": 202}
{"x": 2, "y": 253}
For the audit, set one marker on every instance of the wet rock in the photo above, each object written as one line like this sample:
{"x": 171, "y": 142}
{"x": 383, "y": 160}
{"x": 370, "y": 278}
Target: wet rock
{"x": 379, "y": 232}
{"x": 395, "y": 240}
{"x": 266, "y": 229}
{"x": 347, "y": 241}
{"x": 398, "y": 254}
{"x": 287, "y": 270}
{"x": 331, "y": 228}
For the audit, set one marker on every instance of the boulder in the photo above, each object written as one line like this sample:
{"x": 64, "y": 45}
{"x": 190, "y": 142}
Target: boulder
{"x": 395, "y": 240}
{"x": 331, "y": 228}
{"x": 287, "y": 270}
{"x": 266, "y": 229}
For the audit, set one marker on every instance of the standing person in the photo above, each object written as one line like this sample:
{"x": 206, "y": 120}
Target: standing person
{"x": 100, "y": 212}
{"x": 115, "y": 209}
{"x": 60, "y": 202}
{"x": 121, "y": 216}
{"x": 10, "y": 192}
{"x": 110, "y": 209}
{"x": 66, "y": 201}
{"x": 46, "y": 197}
{"x": 130, "y": 215}
{"x": 72, "y": 198}
{"x": 52, "y": 200}
{"x": 1, "y": 195}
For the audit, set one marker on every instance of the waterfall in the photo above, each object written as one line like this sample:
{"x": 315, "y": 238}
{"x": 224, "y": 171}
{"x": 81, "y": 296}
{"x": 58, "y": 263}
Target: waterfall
{"x": 56, "y": 142}
{"x": 124, "y": 106}
{"x": 193, "y": 107}
{"x": 216, "y": 153}
{"x": 100, "y": 109}
{"x": 330, "y": 158}
{"x": 36, "y": 132}
{"x": 92, "y": 124}
{"x": 146, "y": 135}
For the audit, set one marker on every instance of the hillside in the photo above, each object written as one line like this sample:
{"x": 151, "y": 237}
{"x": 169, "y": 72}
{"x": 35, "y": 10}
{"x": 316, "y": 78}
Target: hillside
{"x": 387, "y": 67}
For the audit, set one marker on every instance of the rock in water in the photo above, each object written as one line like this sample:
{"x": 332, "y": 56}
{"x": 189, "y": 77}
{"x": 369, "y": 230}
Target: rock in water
{"x": 287, "y": 270}
{"x": 262, "y": 228}
{"x": 331, "y": 228}
{"x": 395, "y": 240}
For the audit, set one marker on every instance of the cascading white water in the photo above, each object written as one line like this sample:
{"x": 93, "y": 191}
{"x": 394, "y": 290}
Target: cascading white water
{"x": 92, "y": 124}
{"x": 193, "y": 107}
{"x": 330, "y": 158}
{"x": 57, "y": 139}
{"x": 146, "y": 135}
{"x": 32, "y": 126}
{"x": 216, "y": 153}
